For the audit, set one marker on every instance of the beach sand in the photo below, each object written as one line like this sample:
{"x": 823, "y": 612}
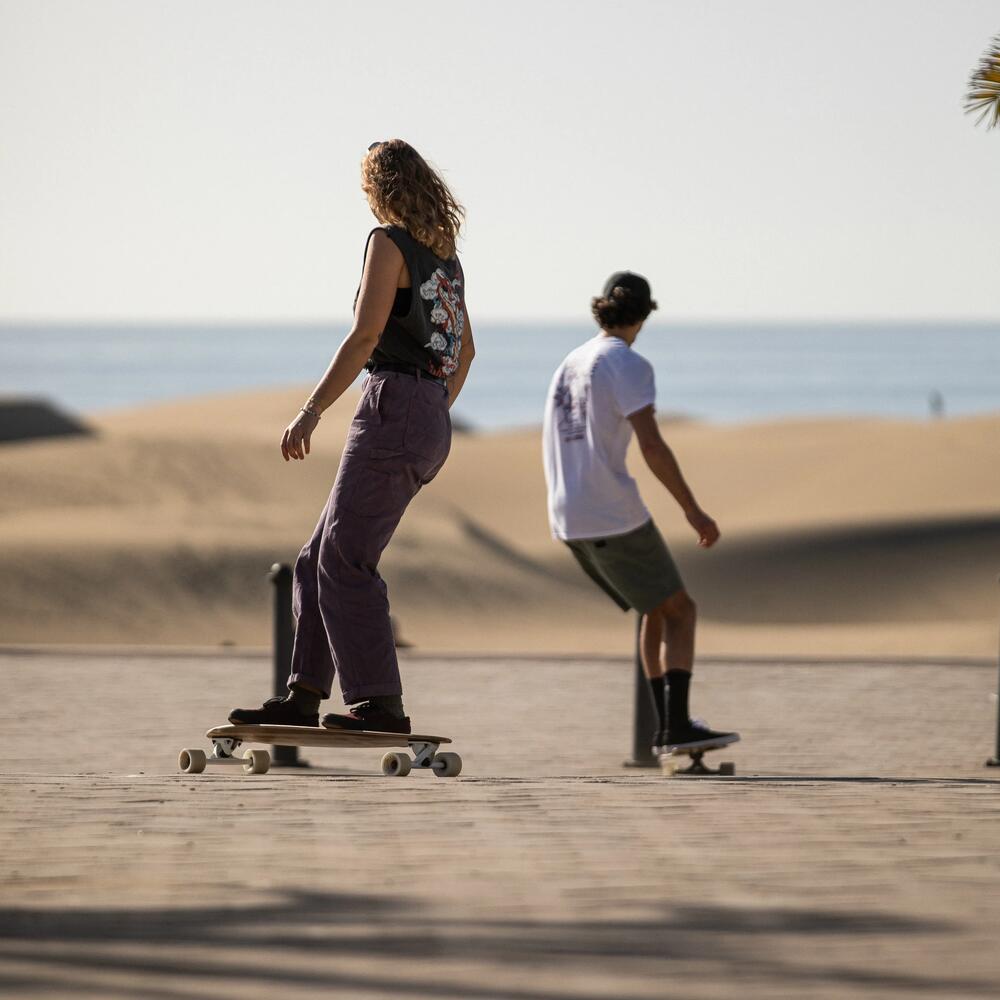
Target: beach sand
{"x": 853, "y": 855}
{"x": 840, "y": 537}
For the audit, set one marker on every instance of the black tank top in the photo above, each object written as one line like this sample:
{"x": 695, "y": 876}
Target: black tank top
{"x": 425, "y": 331}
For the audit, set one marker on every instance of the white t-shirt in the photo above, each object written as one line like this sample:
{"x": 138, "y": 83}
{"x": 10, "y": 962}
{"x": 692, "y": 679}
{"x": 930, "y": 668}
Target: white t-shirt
{"x": 586, "y": 435}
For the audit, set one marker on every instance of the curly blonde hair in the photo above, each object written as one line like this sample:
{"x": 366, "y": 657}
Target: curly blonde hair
{"x": 404, "y": 190}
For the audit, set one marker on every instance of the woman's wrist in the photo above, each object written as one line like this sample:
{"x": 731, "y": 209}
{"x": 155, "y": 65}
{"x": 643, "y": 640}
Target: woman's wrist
{"x": 310, "y": 406}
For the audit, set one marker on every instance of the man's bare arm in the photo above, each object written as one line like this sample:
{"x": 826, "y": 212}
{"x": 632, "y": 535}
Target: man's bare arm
{"x": 663, "y": 465}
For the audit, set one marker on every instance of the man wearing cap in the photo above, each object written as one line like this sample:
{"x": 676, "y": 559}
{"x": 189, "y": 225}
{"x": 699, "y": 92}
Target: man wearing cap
{"x": 600, "y": 394}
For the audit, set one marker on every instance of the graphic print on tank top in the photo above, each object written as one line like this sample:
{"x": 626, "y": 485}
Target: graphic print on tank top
{"x": 427, "y": 321}
{"x": 447, "y": 317}
{"x": 570, "y": 399}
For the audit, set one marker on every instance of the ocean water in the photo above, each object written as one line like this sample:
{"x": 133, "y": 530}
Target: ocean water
{"x": 722, "y": 373}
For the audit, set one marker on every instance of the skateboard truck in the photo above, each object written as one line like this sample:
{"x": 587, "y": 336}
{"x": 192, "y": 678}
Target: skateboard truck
{"x": 223, "y": 749}
{"x": 423, "y": 754}
{"x": 669, "y": 762}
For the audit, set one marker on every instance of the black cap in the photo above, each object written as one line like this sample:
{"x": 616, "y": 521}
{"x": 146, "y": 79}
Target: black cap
{"x": 634, "y": 283}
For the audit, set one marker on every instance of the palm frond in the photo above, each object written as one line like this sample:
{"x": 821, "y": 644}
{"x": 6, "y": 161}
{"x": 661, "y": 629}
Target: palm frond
{"x": 984, "y": 87}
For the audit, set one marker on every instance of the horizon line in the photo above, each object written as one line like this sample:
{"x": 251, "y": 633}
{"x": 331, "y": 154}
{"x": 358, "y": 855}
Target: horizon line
{"x": 184, "y": 321}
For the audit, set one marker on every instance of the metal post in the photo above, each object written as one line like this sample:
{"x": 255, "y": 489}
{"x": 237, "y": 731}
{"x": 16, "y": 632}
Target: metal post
{"x": 284, "y": 635}
{"x": 994, "y": 761}
{"x": 645, "y": 718}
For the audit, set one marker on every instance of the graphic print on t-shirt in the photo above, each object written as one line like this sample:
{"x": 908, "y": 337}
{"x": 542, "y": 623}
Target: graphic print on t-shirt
{"x": 570, "y": 399}
{"x": 448, "y": 319}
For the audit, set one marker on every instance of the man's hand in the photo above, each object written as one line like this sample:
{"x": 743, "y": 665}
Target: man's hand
{"x": 707, "y": 529}
{"x": 295, "y": 440}
{"x": 663, "y": 465}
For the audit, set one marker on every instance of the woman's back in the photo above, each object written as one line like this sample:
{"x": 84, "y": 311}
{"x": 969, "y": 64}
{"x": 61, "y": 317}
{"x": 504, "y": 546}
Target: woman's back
{"x": 428, "y": 334}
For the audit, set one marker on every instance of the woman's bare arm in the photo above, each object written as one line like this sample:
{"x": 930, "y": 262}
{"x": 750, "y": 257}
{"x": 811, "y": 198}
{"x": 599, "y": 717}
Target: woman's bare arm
{"x": 466, "y": 353}
{"x": 383, "y": 266}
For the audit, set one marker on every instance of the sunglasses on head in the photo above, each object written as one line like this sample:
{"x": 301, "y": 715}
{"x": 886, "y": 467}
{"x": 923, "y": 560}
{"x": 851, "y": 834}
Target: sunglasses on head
{"x": 375, "y": 145}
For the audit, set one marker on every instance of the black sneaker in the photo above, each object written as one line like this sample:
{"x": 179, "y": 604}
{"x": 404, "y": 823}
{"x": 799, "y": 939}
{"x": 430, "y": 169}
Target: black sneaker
{"x": 367, "y": 716}
{"x": 274, "y": 712}
{"x": 695, "y": 735}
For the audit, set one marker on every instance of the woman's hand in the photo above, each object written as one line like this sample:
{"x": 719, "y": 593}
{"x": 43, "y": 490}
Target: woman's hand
{"x": 295, "y": 440}
{"x": 383, "y": 267}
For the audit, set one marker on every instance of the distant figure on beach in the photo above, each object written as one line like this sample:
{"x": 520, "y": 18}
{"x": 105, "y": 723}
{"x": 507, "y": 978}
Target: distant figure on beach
{"x": 600, "y": 394}
{"x": 412, "y": 333}
{"x": 935, "y": 402}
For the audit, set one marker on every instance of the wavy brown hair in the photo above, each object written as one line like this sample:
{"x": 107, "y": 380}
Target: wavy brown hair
{"x": 623, "y": 307}
{"x": 404, "y": 190}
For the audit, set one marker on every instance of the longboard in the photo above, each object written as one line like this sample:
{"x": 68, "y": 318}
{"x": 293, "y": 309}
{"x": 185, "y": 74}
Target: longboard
{"x": 226, "y": 740}
{"x": 670, "y": 761}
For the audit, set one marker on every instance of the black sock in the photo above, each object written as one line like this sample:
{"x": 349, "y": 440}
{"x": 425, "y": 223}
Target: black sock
{"x": 679, "y": 682}
{"x": 389, "y": 703}
{"x": 307, "y": 702}
{"x": 656, "y": 686}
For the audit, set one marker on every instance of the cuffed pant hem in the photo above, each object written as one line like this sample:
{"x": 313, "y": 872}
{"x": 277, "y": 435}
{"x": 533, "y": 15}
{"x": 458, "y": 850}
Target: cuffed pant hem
{"x": 311, "y": 681}
{"x": 354, "y": 695}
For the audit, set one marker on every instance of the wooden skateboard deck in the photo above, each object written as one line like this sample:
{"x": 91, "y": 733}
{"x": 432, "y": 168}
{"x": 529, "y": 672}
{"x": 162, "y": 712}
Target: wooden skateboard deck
{"x": 226, "y": 740}
{"x": 317, "y": 736}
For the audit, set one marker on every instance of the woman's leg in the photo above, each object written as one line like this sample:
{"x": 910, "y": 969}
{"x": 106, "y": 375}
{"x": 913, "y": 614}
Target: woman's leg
{"x": 312, "y": 662}
{"x": 396, "y": 446}
{"x": 312, "y": 665}
{"x": 398, "y": 440}
{"x": 353, "y": 599}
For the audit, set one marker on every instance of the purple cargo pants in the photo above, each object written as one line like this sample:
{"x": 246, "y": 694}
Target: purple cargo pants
{"x": 398, "y": 440}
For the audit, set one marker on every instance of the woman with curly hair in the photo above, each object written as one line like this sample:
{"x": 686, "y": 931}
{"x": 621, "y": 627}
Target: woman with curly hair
{"x": 412, "y": 333}
{"x": 600, "y": 394}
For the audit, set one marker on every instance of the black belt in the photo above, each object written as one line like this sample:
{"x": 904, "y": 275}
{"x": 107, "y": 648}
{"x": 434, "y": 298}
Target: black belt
{"x": 405, "y": 369}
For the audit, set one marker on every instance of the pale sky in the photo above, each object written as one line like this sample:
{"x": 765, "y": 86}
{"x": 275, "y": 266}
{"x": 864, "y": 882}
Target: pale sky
{"x": 756, "y": 160}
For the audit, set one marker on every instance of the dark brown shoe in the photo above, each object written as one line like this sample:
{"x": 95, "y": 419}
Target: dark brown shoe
{"x": 368, "y": 717}
{"x": 274, "y": 712}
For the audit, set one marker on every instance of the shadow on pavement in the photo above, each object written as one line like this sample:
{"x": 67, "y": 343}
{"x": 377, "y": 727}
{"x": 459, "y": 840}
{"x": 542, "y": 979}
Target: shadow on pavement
{"x": 302, "y": 941}
{"x": 864, "y": 779}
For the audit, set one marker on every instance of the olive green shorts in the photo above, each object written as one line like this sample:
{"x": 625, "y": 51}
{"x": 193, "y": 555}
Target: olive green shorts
{"x": 635, "y": 570}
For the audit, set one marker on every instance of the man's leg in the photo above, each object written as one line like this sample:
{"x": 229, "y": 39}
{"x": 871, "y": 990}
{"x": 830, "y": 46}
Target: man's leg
{"x": 650, "y": 645}
{"x": 677, "y": 655}
{"x": 680, "y": 616}
{"x": 666, "y": 646}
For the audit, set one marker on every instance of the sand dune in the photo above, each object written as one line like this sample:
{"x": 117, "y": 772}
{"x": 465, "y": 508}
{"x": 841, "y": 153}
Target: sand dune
{"x": 23, "y": 418}
{"x": 839, "y": 536}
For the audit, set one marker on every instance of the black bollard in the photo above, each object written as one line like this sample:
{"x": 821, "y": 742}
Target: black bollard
{"x": 284, "y": 635}
{"x": 994, "y": 761}
{"x": 645, "y": 718}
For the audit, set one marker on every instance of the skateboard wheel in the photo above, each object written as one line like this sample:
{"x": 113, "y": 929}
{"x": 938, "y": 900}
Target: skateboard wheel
{"x": 396, "y": 765}
{"x": 727, "y": 767}
{"x": 192, "y": 761}
{"x": 668, "y": 765}
{"x": 447, "y": 765}
{"x": 257, "y": 761}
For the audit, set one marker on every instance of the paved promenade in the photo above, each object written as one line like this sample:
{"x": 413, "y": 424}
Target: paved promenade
{"x": 855, "y": 854}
